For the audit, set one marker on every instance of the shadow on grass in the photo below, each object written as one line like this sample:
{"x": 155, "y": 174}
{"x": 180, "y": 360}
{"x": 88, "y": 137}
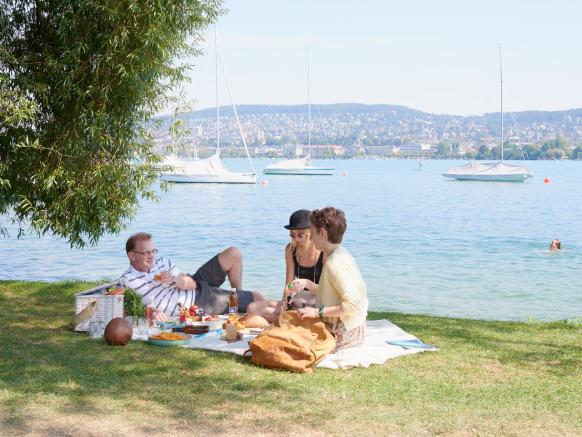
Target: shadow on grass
{"x": 40, "y": 357}
{"x": 42, "y": 360}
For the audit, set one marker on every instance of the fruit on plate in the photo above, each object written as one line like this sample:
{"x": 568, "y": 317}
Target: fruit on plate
{"x": 192, "y": 310}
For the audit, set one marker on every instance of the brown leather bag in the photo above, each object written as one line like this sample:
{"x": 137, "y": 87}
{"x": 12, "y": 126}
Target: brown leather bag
{"x": 292, "y": 344}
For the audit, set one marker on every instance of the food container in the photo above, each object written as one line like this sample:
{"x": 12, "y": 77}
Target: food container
{"x": 108, "y": 306}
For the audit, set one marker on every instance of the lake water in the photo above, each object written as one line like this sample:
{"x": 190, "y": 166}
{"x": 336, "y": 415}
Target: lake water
{"x": 424, "y": 244}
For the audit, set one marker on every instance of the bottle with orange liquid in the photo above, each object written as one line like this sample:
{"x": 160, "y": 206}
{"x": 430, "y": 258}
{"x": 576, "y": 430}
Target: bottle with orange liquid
{"x": 233, "y": 303}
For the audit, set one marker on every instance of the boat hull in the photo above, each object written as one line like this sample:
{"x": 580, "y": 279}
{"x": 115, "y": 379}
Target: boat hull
{"x": 233, "y": 178}
{"x": 489, "y": 172}
{"x": 488, "y": 178}
{"x": 313, "y": 171}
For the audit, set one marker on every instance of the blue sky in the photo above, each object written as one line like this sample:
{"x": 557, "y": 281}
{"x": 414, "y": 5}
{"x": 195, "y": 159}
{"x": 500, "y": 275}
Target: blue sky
{"x": 436, "y": 56}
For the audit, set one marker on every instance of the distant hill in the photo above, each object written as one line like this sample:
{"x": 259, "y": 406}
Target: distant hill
{"x": 302, "y": 109}
{"x": 393, "y": 111}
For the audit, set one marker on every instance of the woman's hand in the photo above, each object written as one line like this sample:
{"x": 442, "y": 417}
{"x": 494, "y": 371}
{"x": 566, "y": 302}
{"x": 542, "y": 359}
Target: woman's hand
{"x": 307, "y": 313}
{"x": 300, "y": 284}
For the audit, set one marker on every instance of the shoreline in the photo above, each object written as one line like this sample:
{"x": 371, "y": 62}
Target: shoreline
{"x": 576, "y": 321}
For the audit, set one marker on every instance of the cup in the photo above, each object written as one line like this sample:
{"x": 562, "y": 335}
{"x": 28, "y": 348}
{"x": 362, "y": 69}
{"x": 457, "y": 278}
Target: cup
{"x": 158, "y": 277}
{"x": 96, "y": 329}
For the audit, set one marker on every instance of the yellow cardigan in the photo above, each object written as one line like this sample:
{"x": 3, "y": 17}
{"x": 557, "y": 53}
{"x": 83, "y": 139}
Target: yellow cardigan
{"x": 341, "y": 283}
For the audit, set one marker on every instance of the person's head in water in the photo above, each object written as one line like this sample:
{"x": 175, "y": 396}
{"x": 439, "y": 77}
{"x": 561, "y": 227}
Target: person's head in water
{"x": 556, "y": 244}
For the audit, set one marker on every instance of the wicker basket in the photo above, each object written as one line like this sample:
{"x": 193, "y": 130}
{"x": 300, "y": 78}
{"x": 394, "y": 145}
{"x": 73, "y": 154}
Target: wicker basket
{"x": 108, "y": 306}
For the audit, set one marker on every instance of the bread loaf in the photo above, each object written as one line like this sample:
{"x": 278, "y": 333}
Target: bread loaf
{"x": 255, "y": 321}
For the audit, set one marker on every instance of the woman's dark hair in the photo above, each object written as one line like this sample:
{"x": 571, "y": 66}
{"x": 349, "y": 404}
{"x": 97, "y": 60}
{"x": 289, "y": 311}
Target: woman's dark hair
{"x": 333, "y": 220}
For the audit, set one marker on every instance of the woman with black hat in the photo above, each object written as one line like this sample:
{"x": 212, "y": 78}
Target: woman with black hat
{"x": 303, "y": 261}
{"x": 304, "y": 264}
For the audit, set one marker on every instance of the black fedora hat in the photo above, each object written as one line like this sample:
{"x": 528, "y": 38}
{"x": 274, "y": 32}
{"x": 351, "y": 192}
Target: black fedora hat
{"x": 298, "y": 220}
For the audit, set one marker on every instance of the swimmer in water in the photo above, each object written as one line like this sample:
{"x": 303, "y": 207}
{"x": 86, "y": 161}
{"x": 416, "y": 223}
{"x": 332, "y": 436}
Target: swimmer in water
{"x": 555, "y": 245}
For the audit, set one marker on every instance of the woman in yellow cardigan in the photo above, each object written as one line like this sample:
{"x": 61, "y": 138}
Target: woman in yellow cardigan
{"x": 342, "y": 296}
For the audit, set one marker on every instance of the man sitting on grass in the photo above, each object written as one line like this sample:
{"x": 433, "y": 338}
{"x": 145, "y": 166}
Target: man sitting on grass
{"x": 163, "y": 286}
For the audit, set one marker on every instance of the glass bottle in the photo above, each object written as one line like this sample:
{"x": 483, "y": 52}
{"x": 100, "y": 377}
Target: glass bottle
{"x": 233, "y": 303}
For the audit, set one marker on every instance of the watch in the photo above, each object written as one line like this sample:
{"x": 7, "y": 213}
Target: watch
{"x": 321, "y": 311}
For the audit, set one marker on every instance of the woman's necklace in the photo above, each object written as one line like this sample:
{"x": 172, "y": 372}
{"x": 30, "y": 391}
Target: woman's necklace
{"x": 299, "y": 267}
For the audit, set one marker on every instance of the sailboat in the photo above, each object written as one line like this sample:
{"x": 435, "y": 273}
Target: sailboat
{"x": 300, "y": 166}
{"x": 491, "y": 171}
{"x": 211, "y": 170}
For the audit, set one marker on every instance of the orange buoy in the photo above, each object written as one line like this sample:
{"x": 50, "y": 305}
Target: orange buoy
{"x": 547, "y": 181}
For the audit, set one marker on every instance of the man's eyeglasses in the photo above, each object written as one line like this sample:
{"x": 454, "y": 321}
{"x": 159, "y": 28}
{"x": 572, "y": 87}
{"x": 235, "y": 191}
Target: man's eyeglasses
{"x": 150, "y": 252}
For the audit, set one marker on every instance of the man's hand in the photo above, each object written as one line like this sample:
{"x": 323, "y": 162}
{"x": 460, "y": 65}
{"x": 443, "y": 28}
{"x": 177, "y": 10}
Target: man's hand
{"x": 161, "y": 316}
{"x": 164, "y": 277}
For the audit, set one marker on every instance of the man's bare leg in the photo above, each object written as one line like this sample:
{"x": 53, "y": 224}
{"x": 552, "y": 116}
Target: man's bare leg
{"x": 231, "y": 262}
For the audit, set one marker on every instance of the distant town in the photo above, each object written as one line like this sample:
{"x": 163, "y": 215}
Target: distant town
{"x": 358, "y": 131}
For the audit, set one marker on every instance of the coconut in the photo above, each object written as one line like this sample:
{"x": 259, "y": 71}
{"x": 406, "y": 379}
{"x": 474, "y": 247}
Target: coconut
{"x": 118, "y": 332}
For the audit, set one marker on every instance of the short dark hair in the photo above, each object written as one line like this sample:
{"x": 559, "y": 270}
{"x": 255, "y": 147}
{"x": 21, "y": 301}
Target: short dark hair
{"x": 333, "y": 220}
{"x": 134, "y": 239}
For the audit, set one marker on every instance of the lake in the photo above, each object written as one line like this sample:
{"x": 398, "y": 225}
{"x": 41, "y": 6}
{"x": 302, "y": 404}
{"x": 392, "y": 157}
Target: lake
{"x": 424, "y": 244}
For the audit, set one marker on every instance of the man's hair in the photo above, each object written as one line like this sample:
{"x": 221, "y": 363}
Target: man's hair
{"x": 333, "y": 220}
{"x": 134, "y": 239}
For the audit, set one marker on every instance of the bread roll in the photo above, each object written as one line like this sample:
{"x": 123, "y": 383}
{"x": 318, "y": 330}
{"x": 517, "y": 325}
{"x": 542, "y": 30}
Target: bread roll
{"x": 255, "y": 321}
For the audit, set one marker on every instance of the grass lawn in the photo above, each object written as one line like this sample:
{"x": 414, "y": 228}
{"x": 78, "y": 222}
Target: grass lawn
{"x": 488, "y": 379}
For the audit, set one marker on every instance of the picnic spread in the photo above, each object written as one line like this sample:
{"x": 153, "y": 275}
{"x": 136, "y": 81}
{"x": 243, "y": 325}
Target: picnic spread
{"x": 375, "y": 350}
{"x": 291, "y": 342}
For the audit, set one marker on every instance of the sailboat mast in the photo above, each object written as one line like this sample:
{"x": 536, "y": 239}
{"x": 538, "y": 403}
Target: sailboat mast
{"x": 308, "y": 104}
{"x": 501, "y": 87}
{"x": 216, "y": 92}
{"x": 242, "y": 136}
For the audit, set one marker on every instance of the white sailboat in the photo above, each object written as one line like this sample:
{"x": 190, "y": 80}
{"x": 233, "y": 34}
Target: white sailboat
{"x": 491, "y": 171}
{"x": 210, "y": 170}
{"x": 300, "y": 166}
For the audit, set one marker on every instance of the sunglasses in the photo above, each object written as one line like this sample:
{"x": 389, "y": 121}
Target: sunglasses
{"x": 297, "y": 234}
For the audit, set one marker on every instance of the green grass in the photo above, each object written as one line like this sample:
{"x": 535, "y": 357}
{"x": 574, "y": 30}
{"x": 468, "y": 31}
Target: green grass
{"x": 489, "y": 378}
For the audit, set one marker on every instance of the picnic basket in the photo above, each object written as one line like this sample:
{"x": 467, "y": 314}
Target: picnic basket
{"x": 108, "y": 306}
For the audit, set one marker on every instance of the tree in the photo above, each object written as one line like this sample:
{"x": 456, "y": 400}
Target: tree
{"x": 483, "y": 153}
{"x": 443, "y": 149}
{"x": 79, "y": 82}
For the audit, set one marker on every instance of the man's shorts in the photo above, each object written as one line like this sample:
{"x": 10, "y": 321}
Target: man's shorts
{"x": 209, "y": 296}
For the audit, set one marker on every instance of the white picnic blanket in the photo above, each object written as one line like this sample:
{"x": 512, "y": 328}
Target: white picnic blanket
{"x": 375, "y": 350}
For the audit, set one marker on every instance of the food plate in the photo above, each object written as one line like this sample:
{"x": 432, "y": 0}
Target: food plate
{"x": 168, "y": 343}
{"x": 195, "y": 329}
{"x": 170, "y": 325}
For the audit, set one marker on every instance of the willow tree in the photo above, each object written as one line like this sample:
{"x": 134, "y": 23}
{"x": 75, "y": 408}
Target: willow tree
{"x": 79, "y": 83}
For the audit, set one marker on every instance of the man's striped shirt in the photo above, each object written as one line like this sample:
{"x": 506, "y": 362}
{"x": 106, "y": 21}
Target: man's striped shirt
{"x": 161, "y": 296}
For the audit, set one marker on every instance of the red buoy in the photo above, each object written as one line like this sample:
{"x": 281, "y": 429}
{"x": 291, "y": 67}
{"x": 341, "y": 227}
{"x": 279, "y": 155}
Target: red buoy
{"x": 547, "y": 181}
